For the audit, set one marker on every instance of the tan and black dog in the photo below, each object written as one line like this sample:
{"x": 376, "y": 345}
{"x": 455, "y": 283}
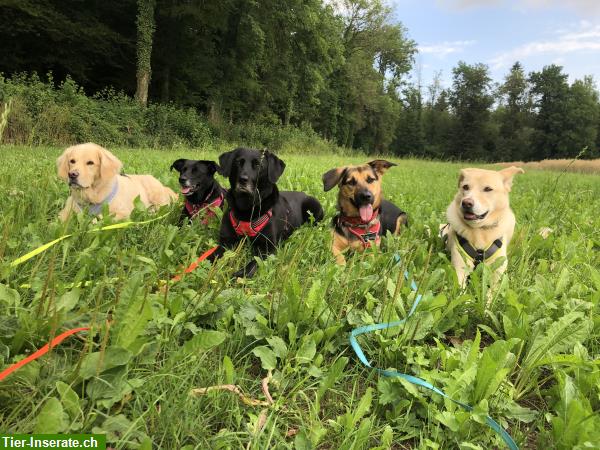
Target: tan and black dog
{"x": 364, "y": 215}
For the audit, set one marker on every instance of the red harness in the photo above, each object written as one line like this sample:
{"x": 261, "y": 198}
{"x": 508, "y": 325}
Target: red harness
{"x": 365, "y": 231}
{"x": 193, "y": 210}
{"x": 251, "y": 229}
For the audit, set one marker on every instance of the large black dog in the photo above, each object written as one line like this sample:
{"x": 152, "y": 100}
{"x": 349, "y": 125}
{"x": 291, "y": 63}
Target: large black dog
{"x": 202, "y": 192}
{"x": 256, "y": 208}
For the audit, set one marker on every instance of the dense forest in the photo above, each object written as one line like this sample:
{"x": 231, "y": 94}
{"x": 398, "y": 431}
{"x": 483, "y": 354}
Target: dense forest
{"x": 339, "y": 69}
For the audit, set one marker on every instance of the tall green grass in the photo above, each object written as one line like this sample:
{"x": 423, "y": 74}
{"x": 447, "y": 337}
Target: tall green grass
{"x": 530, "y": 360}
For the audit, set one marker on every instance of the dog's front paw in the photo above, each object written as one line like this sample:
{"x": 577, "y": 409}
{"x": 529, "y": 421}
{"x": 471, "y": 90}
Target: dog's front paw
{"x": 246, "y": 272}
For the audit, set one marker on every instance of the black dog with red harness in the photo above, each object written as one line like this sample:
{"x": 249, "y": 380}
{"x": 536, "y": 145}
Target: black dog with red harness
{"x": 257, "y": 210}
{"x": 203, "y": 194}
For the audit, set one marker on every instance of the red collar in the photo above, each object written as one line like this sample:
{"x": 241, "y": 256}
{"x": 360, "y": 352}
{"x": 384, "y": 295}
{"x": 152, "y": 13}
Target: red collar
{"x": 251, "y": 229}
{"x": 194, "y": 209}
{"x": 365, "y": 231}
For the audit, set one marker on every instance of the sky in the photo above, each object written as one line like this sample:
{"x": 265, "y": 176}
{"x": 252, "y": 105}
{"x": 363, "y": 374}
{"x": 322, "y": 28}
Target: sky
{"x": 500, "y": 32}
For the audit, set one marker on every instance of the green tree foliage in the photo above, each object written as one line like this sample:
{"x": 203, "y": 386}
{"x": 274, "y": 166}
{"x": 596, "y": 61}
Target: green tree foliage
{"x": 410, "y": 134}
{"x": 336, "y": 68}
{"x": 92, "y": 41}
{"x": 514, "y": 114}
{"x": 471, "y": 99}
{"x": 437, "y": 120}
{"x": 551, "y": 99}
{"x": 584, "y": 114}
{"x": 377, "y": 54}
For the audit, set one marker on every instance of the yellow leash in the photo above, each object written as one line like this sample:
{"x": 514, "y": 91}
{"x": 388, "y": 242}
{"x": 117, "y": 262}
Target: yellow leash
{"x": 50, "y": 244}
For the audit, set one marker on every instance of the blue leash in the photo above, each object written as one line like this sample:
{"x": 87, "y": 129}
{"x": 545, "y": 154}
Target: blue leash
{"x": 411, "y": 379}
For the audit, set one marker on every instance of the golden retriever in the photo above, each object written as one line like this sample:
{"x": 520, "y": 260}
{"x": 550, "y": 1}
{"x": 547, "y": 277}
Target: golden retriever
{"x": 93, "y": 175}
{"x": 480, "y": 221}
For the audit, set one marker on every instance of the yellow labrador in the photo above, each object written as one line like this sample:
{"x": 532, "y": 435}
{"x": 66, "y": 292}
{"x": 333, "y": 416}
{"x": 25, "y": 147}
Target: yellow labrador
{"x": 93, "y": 176}
{"x": 480, "y": 221}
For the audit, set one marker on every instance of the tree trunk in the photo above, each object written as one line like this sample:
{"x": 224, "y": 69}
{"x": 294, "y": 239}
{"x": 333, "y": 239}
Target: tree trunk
{"x": 145, "y": 32}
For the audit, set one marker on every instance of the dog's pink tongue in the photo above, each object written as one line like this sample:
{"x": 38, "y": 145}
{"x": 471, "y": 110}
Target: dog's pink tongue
{"x": 366, "y": 212}
{"x": 185, "y": 190}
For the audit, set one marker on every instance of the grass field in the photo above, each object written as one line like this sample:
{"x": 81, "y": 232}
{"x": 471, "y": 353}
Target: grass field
{"x": 530, "y": 360}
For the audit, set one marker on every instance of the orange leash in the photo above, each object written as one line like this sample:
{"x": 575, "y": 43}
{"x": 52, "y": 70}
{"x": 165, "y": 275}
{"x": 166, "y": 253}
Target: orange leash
{"x": 42, "y": 351}
{"x": 61, "y": 337}
{"x": 196, "y": 263}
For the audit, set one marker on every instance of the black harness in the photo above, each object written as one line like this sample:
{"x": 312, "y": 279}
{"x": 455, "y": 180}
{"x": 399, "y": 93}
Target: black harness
{"x": 478, "y": 255}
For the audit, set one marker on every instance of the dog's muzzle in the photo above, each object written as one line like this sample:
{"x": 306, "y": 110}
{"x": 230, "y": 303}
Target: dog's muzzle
{"x": 187, "y": 189}
{"x": 471, "y": 216}
{"x": 246, "y": 188}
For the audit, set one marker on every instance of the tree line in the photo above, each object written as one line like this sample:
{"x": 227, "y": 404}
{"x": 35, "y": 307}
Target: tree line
{"x": 526, "y": 117}
{"x": 340, "y": 69}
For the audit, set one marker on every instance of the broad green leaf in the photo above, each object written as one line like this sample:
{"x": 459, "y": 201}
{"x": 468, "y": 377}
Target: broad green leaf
{"x": 518, "y": 412}
{"x": 387, "y": 437}
{"x": 114, "y": 427}
{"x": 51, "y": 418}
{"x": 560, "y": 336}
{"x": 492, "y": 369}
{"x": 307, "y": 350}
{"x": 364, "y": 405}
{"x": 69, "y": 399}
{"x": 94, "y": 363}
{"x": 268, "y": 360}
{"x": 134, "y": 322}
{"x": 333, "y": 375}
{"x": 229, "y": 370}
{"x": 315, "y": 295}
{"x": 449, "y": 419}
{"x": 302, "y": 442}
{"x": 68, "y": 300}
{"x": 10, "y": 297}
{"x": 279, "y": 347}
{"x": 473, "y": 351}
{"x": 563, "y": 281}
{"x": 419, "y": 325}
{"x": 204, "y": 340}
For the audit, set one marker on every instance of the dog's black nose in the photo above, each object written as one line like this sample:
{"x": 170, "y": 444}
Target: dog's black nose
{"x": 182, "y": 180}
{"x": 243, "y": 179}
{"x": 73, "y": 175}
{"x": 364, "y": 197}
{"x": 467, "y": 203}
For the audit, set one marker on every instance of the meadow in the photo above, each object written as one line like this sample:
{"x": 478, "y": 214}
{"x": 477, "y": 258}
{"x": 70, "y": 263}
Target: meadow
{"x": 530, "y": 360}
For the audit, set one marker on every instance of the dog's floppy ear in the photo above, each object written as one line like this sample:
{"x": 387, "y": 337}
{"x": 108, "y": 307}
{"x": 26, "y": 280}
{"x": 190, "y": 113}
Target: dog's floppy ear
{"x": 178, "y": 164}
{"x": 62, "y": 165}
{"x": 211, "y": 166}
{"x": 333, "y": 177}
{"x": 275, "y": 166}
{"x": 110, "y": 165}
{"x": 508, "y": 174}
{"x": 226, "y": 161}
{"x": 380, "y": 166}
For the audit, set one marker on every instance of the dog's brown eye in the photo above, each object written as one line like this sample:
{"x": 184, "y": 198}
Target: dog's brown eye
{"x": 351, "y": 182}
{"x": 487, "y": 189}
{"x": 466, "y": 187}
{"x": 72, "y": 161}
{"x": 370, "y": 180}
{"x": 90, "y": 163}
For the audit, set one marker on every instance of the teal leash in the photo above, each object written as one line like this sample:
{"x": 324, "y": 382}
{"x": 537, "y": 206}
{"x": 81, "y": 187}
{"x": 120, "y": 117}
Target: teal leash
{"x": 412, "y": 379}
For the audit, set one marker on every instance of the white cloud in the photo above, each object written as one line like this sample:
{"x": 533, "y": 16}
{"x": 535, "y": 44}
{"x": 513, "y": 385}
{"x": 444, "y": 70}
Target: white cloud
{"x": 584, "y": 39}
{"x": 583, "y": 6}
{"x": 445, "y": 48}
